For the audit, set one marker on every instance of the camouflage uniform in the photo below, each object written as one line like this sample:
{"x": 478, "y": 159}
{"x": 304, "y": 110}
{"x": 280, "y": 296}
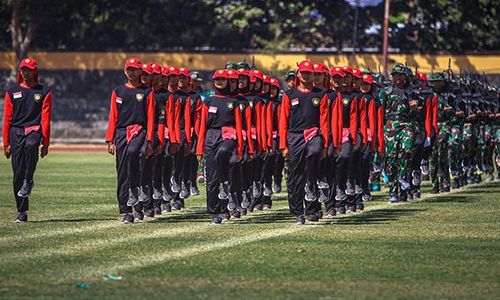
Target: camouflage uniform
{"x": 439, "y": 164}
{"x": 399, "y": 134}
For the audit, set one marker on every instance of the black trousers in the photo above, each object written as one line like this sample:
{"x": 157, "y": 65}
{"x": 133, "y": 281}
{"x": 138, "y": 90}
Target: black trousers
{"x": 366, "y": 166}
{"x": 218, "y": 153}
{"x": 128, "y": 163}
{"x": 329, "y": 171}
{"x": 24, "y": 149}
{"x": 304, "y": 166}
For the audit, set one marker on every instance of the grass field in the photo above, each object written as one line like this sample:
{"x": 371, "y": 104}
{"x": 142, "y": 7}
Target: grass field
{"x": 445, "y": 247}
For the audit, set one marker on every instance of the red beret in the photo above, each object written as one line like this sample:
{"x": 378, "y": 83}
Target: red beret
{"x": 133, "y": 62}
{"x": 220, "y": 74}
{"x": 347, "y": 69}
{"x": 243, "y": 72}
{"x": 356, "y": 73}
{"x": 165, "y": 71}
{"x": 421, "y": 76}
{"x": 275, "y": 82}
{"x": 185, "y": 72}
{"x": 258, "y": 74}
{"x": 367, "y": 78}
{"x": 148, "y": 68}
{"x": 157, "y": 69}
{"x": 337, "y": 71}
{"x": 306, "y": 65}
{"x": 232, "y": 74}
{"x": 266, "y": 79}
{"x": 174, "y": 70}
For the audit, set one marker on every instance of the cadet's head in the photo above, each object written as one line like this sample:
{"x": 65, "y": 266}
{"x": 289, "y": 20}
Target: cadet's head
{"x": 157, "y": 78}
{"x": 258, "y": 75}
{"x": 337, "y": 78}
{"x": 266, "y": 84}
{"x": 243, "y": 79}
{"x": 147, "y": 74}
{"x": 321, "y": 74}
{"x": 133, "y": 68}
{"x": 220, "y": 80}
{"x": 398, "y": 74}
{"x": 184, "y": 76}
{"x": 28, "y": 71}
{"x": 232, "y": 75}
{"x": 356, "y": 78}
{"x": 438, "y": 81}
{"x": 305, "y": 73}
{"x": 366, "y": 84}
{"x": 174, "y": 77}
{"x": 165, "y": 76}
{"x": 290, "y": 79}
{"x": 275, "y": 87}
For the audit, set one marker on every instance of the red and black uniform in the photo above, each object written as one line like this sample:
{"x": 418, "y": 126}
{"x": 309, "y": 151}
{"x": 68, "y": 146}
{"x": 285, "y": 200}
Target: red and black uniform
{"x": 345, "y": 130}
{"x": 163, "y": 126}
{"x": 195, "y": 112}
{"x": 258, "y": 137}
{"x": 330, "y": 164}
{"x": 131, "y": 124}
{"x": 219, "y": 138}
{"x": 26, "y": 124}
{"x": 303, "y": 129}
{"x": 183, "y": 133}
{"x": 370, "y": 128}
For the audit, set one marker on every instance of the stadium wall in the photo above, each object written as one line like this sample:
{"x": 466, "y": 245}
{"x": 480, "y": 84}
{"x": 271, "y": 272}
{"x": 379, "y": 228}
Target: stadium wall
{"x": 82, "y": 81}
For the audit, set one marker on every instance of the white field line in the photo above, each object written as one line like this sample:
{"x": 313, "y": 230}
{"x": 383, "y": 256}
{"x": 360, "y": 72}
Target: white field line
{"x": 158, "y": 258}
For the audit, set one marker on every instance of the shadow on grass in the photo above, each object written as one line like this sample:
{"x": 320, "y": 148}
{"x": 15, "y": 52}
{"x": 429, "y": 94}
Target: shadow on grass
{"x": 378, "y": 216}
{"x": 452, "y": 198}
{"x": 198, "y": 215}
{"x": 74, "y": 220}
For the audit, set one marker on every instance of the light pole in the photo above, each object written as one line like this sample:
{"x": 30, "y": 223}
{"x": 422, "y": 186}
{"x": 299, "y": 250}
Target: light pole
{"x": 386, "y": 35}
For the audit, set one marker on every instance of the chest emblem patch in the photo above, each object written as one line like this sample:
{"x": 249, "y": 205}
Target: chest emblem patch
{"x": 295, "y": 101}
{"x": 37, "y": 97}
{"x": 345, "y": 101}
{"x": 17, "y": 95}
{"x": 230, "y": 105}
{"x": 139, "y": 97}
{"x": 315, "y": 101}
{"x": 212, "y": 109}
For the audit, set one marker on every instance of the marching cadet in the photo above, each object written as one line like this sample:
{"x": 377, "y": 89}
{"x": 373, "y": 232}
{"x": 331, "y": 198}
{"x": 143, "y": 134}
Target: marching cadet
{"x": 425, "y": 134}
{"x": 220, "y": 136}
{"x": 26, "y": 124}
{"x": 257, "y": 135}
{"x": 169, "y": 141}
{"x": 399, "y": 133}
{"x": 336, "y": 78}
{"x": 182, "y": 163}
{"x": 242, "y": 181}
{"x": 268, "y": 160}
{"x": 290, "y": 79}
{"x": 147, "y": 74}
{"x": 303, "y": 132}
{"x": 195, "y": 111}
{"x": 164, "y": 120}
{"x": 371, "y": 105}
{"x": 444, "y": 110}
{"x": 346, "y": 126}
{"x": 131, "y": 120}
{"x": 145, "y": 206}
{"x": 272, "y": 129}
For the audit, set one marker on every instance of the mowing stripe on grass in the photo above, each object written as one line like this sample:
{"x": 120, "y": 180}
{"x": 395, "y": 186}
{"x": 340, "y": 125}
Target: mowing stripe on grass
{"x": 69, "y": 231}
{"x": 89, "y": 246}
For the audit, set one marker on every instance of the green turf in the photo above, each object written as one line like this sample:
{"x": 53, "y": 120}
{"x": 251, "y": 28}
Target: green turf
{"x": 445, "y": 247}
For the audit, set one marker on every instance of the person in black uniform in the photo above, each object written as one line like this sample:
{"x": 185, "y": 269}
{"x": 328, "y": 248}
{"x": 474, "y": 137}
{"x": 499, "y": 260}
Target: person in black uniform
{"x": 219, "y": 138}
{"x": 303, "y": 132}
{"x": 26, "y": 124}
{"x": 131, "y": 122}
